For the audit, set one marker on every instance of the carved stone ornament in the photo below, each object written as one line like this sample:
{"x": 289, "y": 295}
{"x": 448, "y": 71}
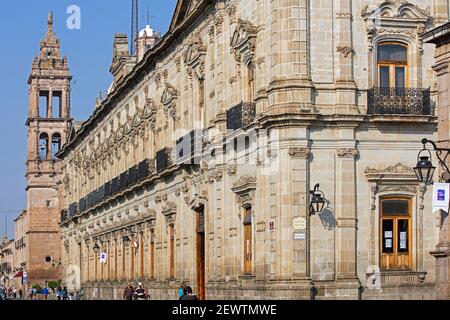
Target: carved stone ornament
{"x": 194, "y": 57}
{"x": 243, "y": 41}
{"x": 346, "y": 50}
{"x": 398, "y": 171}
{"x": 169, "y": 100}
{"x": 347, "y": 153}
{"x": 395, "y": 18}
{"x": 245, "y": 189}
{"x": 302, "y": 153}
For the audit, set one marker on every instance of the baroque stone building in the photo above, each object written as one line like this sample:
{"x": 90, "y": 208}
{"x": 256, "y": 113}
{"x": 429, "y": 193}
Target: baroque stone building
{"x": 198, "y": 164}
{"x": 440, "y": 36}
{"x": 47, "y": 127}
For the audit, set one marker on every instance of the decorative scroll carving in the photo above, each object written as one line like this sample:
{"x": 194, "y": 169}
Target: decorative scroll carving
{"x": 169, "y": 100}
{"x": 245, "y": 189}
{"x": 243, "y": 41}
{"x": 302, "y": 153}
{"x": 194, "y": 57}
{"x": 346, "y": 50}
{"x": 347, "y": 153}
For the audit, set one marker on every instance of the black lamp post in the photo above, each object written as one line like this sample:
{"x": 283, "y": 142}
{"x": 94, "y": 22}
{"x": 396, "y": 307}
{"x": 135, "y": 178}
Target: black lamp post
{"x": 424, "y": 169}
{"x": 317, "y": 200}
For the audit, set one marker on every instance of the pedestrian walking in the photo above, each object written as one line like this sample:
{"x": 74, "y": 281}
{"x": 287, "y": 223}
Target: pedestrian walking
{"x": 65, "y": 294}
{"x": 188, "y": 295}
{"x": 14, "y": 293}
{"x": 34, "y": 293}
{"x": 2, "y": 292}
{"x": 20, "y": 294}
{"x": 181, "y": 290}
{"x": 128, "y": 292}
{"x": 140, "y": 292}
{"x": 77, "y": 296}
{"x": 59, "y": 293}
{"x": 45, "y": 293}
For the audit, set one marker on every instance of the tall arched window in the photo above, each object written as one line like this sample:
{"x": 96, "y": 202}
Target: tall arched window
{"x": 392, "y": 65}
{"x": 43, "y": 146}
{"x": 56, "y": 144}
{"x": 250, "y": 82}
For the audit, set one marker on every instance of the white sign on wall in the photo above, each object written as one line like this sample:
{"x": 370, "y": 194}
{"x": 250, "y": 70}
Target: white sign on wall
{"x": 103, "y": 257}
{"x": 441, "y": 196}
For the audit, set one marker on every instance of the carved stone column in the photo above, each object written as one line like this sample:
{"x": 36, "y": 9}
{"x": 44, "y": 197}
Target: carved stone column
{"x": 440, "y": 12}
{"x": 345, "y": 83}
{"x": 345, "y": 209}
{"x": 290, "y": 81}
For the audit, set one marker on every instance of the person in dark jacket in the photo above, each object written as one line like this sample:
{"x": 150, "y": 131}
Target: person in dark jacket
{"x": 188, "y": 295}
{"x": 128, "y": 292}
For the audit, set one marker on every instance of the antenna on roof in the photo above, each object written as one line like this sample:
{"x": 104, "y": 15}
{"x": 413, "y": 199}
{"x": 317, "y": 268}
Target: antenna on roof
{"x": 134, "y": 26}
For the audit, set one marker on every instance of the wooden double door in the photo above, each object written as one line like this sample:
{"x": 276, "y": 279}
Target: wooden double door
{"x": 395, "y": 237}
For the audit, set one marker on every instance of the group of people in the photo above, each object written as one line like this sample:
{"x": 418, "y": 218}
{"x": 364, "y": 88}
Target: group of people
{"x": 10, "y": 293}
{"x": 140, "y": 293}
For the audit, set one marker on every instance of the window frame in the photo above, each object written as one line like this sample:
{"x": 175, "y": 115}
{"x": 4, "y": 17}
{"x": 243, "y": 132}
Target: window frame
{"x": 395, "y": 235}
{"x": 392, "y": 64}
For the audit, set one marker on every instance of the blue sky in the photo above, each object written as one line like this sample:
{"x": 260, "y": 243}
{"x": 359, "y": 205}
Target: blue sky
{"x": 89, "y": 50}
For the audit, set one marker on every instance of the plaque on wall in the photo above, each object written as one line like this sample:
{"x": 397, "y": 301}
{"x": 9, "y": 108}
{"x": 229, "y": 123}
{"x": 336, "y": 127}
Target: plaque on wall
{"x": 299, "y": 223}
{"x": 299, "y": 236}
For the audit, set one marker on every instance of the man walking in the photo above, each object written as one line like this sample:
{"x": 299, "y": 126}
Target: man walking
{"x": 141, "y": 293}
{"x": 128, "y": 292}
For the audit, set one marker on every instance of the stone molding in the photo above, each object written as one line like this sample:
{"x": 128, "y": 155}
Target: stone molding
{"x": 245, "y": 189}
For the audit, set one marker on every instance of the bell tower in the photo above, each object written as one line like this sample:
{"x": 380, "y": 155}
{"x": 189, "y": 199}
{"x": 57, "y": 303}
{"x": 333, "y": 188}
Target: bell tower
{"x": 47, "y": 124}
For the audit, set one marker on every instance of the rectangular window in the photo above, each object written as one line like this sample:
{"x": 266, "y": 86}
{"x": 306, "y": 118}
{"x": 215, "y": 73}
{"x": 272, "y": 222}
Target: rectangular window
{"x": 395, "y": 237}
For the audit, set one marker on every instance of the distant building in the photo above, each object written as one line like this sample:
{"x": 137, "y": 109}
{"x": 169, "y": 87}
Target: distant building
{"x": 7, "y": 262}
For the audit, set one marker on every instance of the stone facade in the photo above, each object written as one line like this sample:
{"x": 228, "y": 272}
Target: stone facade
{"x": 273, "y": 108}
{"x": 441, "y": 38}
{"x": 47, "y": 126}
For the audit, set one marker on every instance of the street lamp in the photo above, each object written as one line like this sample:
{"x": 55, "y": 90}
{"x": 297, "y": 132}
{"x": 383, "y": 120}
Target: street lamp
{"x": 424, "y": 169}
{"x": 96, "y": 248}
{"x": 126, "y": 240}
{"x": 317, "y": 200}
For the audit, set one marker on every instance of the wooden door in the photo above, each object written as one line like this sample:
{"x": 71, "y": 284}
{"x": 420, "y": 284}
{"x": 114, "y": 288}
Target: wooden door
{"x": 248, "y": 254}
{"x": 152, "y": 255}
{"x": 172, "y": 251}
{"x": 395, "y": 234}
{"x": 201, "y": 270}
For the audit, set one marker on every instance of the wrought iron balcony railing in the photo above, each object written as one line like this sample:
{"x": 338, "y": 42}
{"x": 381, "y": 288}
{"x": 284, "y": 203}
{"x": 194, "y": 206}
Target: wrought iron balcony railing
{"x": 408, "y": 101}
{"x": 128, "y": 178}
{"x": 241, "y": 115}
{"x": 163, "y": 159}
{"x": 189, "y": 148}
